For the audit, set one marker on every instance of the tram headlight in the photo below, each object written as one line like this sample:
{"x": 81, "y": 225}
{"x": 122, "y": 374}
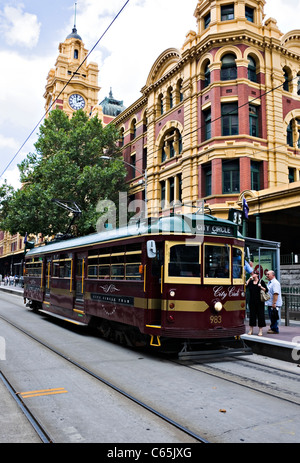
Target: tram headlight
{"x": 218, "y": 306}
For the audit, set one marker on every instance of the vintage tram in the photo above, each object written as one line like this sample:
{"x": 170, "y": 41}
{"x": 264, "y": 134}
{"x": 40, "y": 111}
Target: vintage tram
{"x": 170, "y": 278}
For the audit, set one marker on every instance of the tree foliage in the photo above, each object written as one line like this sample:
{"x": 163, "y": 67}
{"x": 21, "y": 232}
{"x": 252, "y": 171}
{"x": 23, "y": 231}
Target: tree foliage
{"x": 67, "y": 165}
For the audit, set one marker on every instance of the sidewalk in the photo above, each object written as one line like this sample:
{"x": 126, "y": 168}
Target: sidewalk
{"x": 284, "y": 346}
{"x": 12, "y": 289}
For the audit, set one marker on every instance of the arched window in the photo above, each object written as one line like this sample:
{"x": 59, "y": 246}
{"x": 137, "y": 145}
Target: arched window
{"x": 171, "y": 145}
{"x": 228, "y": 68}
{"x": 287, "y": 78}
{"x": 121, "y": 139}
{"x": 298, "y": 84}
{"x": 293, "y": 133}
{"x": 75, "y": 54}
{"x": 252, "y": 69}
{"x": 133, "y": 129}
{"x": 170, "y": 102}
{"x": 179, "y": 90}
{"x": 160, "y": 104}
{"x": 206, "y": 75}
{"x": 289, "y": 134}
{"x": 145, "y": 122}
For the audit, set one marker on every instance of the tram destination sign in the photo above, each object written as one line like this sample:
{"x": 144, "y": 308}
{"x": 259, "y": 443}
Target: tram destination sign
{"x": 215, "y": 229}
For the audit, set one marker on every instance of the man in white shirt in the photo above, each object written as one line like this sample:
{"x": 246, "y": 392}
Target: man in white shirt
{"x": 275, "y": 302}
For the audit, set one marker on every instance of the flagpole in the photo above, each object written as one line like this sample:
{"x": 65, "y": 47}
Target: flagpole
{"x": 245, "y": 224}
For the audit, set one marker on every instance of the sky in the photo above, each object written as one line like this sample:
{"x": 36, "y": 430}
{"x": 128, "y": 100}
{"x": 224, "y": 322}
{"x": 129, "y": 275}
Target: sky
{"x": 31, "y": 30}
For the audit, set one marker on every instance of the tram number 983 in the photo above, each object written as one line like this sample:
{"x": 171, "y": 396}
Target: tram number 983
{"x": 215, "y": 319}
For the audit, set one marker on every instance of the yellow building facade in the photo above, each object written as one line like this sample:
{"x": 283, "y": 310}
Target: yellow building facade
{"x": 73, "y": 83}
{"x": 219, "y": 120}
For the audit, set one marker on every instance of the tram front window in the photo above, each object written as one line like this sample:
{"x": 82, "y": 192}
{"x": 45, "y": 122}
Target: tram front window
{"x": 216, "y": 261}
{"x": 237, "y": 267}
{"x": 184, "y": 261}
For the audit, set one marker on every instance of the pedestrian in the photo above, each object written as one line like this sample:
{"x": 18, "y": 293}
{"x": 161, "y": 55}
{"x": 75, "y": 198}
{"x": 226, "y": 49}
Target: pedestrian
{"x": 256, "y": 305}
{"x": 274, "y": 303}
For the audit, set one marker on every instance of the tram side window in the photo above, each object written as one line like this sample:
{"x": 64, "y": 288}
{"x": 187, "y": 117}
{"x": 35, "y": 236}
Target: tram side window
{"x": 116, "y": 263}
{"x": 117, "y": 266}
{"x": 62, "y": 268}
{"x": 217, "y": 261}
{"x": 237, "y": 268}
{"x": 133, "y": 265}
{"x": 184, "y": 261}
{"x": 34, "y": 268}
{"x": 104, "y": 266}
{"x": 93, "y": 267}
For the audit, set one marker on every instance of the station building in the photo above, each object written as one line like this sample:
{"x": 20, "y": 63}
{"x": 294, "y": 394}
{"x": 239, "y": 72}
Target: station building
{"x": 219, "y": 120}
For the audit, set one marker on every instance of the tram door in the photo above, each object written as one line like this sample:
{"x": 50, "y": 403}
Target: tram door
{"x": 48, "y": 275}
{"x": 154, "y": 289}
{"x": 79, "y": 281}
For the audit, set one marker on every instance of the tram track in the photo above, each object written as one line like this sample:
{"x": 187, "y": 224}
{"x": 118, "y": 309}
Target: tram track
{"x": 39, "y": 428}
{"x": 269, "y": 388}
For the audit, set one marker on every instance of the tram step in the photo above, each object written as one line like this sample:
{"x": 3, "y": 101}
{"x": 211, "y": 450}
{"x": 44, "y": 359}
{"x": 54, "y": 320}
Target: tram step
{"x": 66, "y": 319}
{"x": 213, "y": 354}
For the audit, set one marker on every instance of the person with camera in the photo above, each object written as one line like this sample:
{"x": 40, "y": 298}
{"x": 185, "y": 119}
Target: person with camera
{"x": 256, "y": 305}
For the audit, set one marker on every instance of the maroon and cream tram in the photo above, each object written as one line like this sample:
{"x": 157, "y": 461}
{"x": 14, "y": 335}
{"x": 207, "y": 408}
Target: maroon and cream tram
{"x": 178, "y": 278}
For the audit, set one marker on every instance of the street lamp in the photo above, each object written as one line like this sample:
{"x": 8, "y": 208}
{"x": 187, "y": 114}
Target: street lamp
{"x": 144, "y": 173}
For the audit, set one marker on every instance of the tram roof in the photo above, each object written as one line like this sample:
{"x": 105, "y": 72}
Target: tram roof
{"x": 189, "y": 224}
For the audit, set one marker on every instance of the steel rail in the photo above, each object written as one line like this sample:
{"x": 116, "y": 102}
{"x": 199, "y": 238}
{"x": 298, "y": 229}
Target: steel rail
{"x": 150, "y": 409}
{"x": 243, "y": 381}
{"x": 45, "y": 438}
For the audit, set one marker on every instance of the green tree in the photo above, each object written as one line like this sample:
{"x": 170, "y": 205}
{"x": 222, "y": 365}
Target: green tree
{"x": 67, "y": 165}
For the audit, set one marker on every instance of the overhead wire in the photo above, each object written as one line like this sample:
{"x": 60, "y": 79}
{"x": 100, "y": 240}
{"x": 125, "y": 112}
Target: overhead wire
{"x": 65, "y": 86}
{"x": 85, "y": 59}
{"x": 230, "y": 112}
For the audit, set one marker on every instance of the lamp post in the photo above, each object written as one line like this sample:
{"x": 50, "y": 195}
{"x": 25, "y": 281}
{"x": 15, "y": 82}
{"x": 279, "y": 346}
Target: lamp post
{"x": 143, "y": 173}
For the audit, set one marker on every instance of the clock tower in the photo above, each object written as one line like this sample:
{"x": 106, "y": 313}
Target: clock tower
{"x": 70, "y": 87}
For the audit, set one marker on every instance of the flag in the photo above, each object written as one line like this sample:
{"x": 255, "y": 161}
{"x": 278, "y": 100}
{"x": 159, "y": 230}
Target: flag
{"x": 245, "y": 208}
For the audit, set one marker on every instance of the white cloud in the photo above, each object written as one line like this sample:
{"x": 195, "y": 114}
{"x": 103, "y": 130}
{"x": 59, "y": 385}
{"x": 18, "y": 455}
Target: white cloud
{"x": 18, "y": 27}
{"x": 24, "y": 85}
{"x": 138, "y": 36}
{"x": 285, "y": 12}
{"x": 12, "y": 177}
{"x": 8, "y": 142}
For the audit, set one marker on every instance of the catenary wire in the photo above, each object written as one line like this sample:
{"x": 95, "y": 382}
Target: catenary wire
{"x": 156, "y": 150}
{"x": 67, "y": 83}
{"x": 229, "y": 112}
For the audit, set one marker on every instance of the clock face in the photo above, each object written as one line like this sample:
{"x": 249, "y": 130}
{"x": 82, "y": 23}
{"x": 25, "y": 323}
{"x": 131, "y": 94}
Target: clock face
{"x": 76, "y": 101}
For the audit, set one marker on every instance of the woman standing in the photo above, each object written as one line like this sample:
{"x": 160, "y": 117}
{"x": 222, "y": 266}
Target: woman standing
{"x": 256, "y": 306}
